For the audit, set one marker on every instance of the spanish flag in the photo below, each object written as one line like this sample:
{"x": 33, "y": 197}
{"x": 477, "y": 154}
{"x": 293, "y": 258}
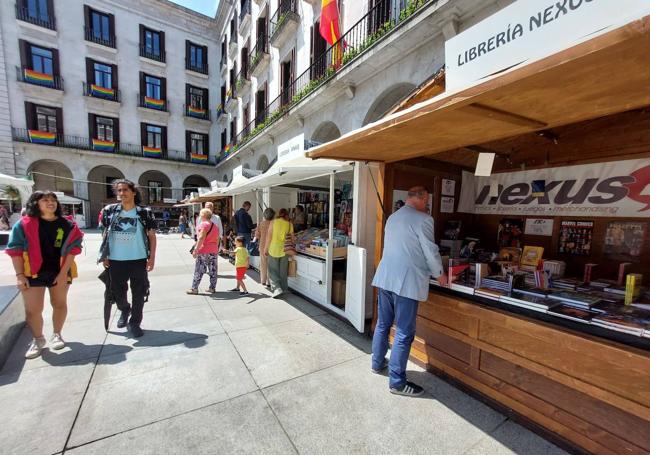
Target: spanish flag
{"x": 329, "y": 29}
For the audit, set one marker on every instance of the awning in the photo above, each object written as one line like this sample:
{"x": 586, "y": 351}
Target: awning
{"x": 606, "y": 75}
{"x": 23, "y": 185}
{"x": 286, "y": 173}
{"x": 64, "y": 199}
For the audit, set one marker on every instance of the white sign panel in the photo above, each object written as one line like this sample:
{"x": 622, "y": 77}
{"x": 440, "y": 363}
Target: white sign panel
{"x": 529, "y": 30}
{"x": 448, "y": 187}
{"x": 293, "y": 148}
{"x": 446, "y": 204}
{"x": 237, "y": 172}
{"x": 168, "y": 200}
{"x": 214, "y": 184}
{"x": 616, "y": 189}
{"x": 539, "y": 226}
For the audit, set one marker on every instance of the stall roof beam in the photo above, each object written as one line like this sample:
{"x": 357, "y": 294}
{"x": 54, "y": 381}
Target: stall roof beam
{"x": 606, "y": 75}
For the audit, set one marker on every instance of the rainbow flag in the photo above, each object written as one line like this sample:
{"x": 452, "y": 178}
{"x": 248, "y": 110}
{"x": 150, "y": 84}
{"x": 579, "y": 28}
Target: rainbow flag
{"x": 199, "y": 159}
{"x": 35, "y": 77}
{"x": 226, "y": 149}
{"x": 195, "y": 111}
{"x": 102, "y": 92}
{"x": 151, "y": 152}
{"x": 154, "y": 103}
{"x": 103, "y": 146}
{"x": 41, "y": 137}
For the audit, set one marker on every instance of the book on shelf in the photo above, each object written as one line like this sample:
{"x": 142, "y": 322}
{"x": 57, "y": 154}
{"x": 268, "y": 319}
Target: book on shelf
{"x": 632, "y": 287}
{"x": 633, "y": 321}
{"x": 529, "y": 301}
{"x": 572, "y": 313}
{"x": 623, "y": 270}
{"x": 620, "y": 290}
{"x": 602, "y": 283}
{"x": 533, "y": 291}
{"x": 532, "y": 255}
{"x": 566, "y": 283}
{"x": 586, "y": 278}
{"x": 573, "y": 298}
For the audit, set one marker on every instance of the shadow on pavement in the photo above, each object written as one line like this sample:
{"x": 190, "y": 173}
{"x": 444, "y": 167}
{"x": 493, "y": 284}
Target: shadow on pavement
{"x": 153, "y": 338}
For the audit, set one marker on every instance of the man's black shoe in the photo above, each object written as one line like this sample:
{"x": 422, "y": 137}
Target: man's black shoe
{"x": 121, "y": 322}
{"x": 136, "y": 331}
{"x": 408, "y": 390}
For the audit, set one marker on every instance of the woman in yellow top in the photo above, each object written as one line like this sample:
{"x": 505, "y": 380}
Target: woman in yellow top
{"x": 262, "y": 236}
{"x": 278, "y": 262}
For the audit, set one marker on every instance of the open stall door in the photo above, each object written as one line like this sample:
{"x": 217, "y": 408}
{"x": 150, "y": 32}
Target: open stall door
{"x": 355, "y": 288}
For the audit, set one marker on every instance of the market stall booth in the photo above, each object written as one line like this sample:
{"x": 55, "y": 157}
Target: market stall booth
{"x": 329, "y": 267}
{"x": 547, "y": 244}
{"x": 74, "y": 207}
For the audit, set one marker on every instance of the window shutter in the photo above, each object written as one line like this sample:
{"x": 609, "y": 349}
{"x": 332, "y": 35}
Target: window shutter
{"x": 312, "y": 51}
{"x": 188, "y": 143}
{"x": 25, "y": 59}
{"x": 205, "y": 55}
{"x": 187, "y": 53}
{"x": 163, "y": 88}
{"x": 115, "y": 77}
{"x": 162, "y": 44}
{"x": 116, "y": 130}
{"x": 90, "y": 71}
{"x": 187, "y": 95}
{"x": 55, "y": 58}
{"x": 142, "y": 40}
{"x": 206, "y": 144}
{"x": 30, "y": 116}
{"x": 163, "y": 140}
{"x": 143, "y": 134}
{"x": 143, "y": 88}
{"x": 87, "y": 15}
{"x": 92, "y": 127}
{"x": 50, "y": 9}
{"x": 59, "y": 122}
{"x": 111, "y": 26}
{"x": 206, "y": 99}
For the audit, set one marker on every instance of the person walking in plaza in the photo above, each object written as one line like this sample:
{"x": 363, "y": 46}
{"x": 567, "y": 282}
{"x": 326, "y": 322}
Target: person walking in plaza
{"x": 262, "y": 236}
{"x": 205, "y": 252}
{"x": 409, "y": 258}
{"x": 42, "y": 246}
{"x": 182, "y": 224}
{"x": 128, "y": 249}
{"x": 244, "y": 223}
{"x": 241, "y": 265}
{"x": 278, "y": 262}
{"x": 216, "y": 219}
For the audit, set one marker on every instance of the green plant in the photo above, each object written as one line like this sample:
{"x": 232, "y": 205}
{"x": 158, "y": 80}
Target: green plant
{"x": 10, "y": 192}
{"x": 411, "y": 7}
{"x": 256, "y": 59}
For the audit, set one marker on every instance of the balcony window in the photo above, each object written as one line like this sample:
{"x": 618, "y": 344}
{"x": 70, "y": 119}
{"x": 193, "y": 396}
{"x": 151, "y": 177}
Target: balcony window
{"x": 153, "y": 138}
{"x": 197, "y": 98}
{"x": 198, "y": 143}
{"x": 42, "y": 60}
{"x": 100, "y": 27}
{"x": 103, "y": 75}
{"x": 152, "y": 44}
{"x": 46, "y": 119}
{"x": 104, "y": 128}
{"x": 153, "y": 87}
{"x": 155, "y": 191}
{"x": 196, "y": 58}
{"x": 37, "y": 12}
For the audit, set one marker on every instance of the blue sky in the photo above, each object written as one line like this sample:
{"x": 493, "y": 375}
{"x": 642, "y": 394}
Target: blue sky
{"x": 207, "y": 7}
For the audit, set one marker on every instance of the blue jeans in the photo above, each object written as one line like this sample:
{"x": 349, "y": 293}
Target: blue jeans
{"x": 247, "y": 239}
{"x": 402, "y": 311}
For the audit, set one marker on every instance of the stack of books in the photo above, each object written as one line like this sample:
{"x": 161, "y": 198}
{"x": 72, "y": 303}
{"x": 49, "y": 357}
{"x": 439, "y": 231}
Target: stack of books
{"x": 626, "y": 319}
{"x": 575, "y": 299}
{"x": 496, "y": 282}
{"x": 573, "y": 313}
{"x": 531, "y": 302}
{"x": 566, "y": 283}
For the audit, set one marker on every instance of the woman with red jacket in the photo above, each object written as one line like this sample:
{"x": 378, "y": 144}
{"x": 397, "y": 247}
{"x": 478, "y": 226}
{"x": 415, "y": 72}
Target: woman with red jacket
{"x": 42, "y": 246}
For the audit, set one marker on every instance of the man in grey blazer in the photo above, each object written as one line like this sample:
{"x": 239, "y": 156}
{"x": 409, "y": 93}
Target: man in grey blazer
{"x": 410, "y": 257}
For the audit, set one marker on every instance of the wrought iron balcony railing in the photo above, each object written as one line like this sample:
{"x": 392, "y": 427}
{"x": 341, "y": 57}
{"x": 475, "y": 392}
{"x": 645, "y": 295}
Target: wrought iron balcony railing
{"x": 95, "y": 36}
{"x": 42, "y": 20}
{"x": 95, "y": 91}
{"x": 148, "y": 53}
{"x": 30, "y": 76}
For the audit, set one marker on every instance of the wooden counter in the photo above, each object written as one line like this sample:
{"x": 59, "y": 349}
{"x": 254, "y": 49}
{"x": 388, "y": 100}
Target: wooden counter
{"x": 591, "y": 392}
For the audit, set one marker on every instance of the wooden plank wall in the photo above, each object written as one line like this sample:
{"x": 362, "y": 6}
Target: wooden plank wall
{"x": 592, "y": 393}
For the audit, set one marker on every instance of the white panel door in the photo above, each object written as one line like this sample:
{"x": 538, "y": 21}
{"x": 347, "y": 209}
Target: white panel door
{"x": 355, "y": 287}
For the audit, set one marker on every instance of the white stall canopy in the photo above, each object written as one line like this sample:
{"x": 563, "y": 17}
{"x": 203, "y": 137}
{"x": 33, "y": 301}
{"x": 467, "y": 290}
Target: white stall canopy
{"x": 23, "y": 185}
{"x": 292, "y": 166}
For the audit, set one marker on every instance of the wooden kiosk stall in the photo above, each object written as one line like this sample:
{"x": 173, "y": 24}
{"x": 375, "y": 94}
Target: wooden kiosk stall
{"x": 572, "y": 127}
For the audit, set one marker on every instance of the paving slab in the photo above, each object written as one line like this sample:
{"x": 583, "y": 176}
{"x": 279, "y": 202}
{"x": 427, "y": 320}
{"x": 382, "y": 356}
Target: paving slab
{"x": 243, "y": 425}
{"x": 39, "y": 407}
{"x": 239, "y": 313}
{"x": 84, "y": 339}
{"x": 348, "y": 410}
{"x": 284, "y": 351}
{"x": 159, "y": 383}
{"x": 513, "y": 439}
{"x": 166, "y": 327}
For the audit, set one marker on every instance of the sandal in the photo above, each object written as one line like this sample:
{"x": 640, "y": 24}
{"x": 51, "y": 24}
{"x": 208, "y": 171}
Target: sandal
{"x": 211, "y": 291}
{"x": 192, "y": 291}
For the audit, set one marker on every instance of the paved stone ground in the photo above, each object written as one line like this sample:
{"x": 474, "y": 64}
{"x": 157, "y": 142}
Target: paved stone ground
{"x": 223, "y": 374}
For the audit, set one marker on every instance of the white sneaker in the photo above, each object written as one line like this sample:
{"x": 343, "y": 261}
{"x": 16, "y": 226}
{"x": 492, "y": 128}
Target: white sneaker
{"x": 56, "y": 342}
{"x": 35, "y": 348}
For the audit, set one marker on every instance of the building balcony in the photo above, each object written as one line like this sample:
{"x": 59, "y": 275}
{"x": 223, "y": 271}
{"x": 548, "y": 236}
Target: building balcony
{"x": 245, "y": 17}
{"x": 95, "y": 37}
{"x": 380, "y": 35}
{"x": 105, "y": 147}
{"x": 155, "y": 56}
{"x": 284, "y": 22}
{"x": 152, "y": 104}
{"x": 101, "y": 93}
{"x": 196, "y": 113}
{"x": 243, "y": 83}
{"x": 46, "y": 21}
{"x": 259, "y": 57}
{"x": 231, "y": 101}
{"x": 197, "y": 68}
{"x": 222, "y": 116}
{"x": 31, "y": 77}
{"x": 233, "y": 47}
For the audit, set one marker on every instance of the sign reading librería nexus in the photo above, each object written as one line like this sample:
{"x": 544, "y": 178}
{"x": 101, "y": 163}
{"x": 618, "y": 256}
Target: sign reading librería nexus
{"x": 529, "y": 30}
{"x": 616, "y": 189}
